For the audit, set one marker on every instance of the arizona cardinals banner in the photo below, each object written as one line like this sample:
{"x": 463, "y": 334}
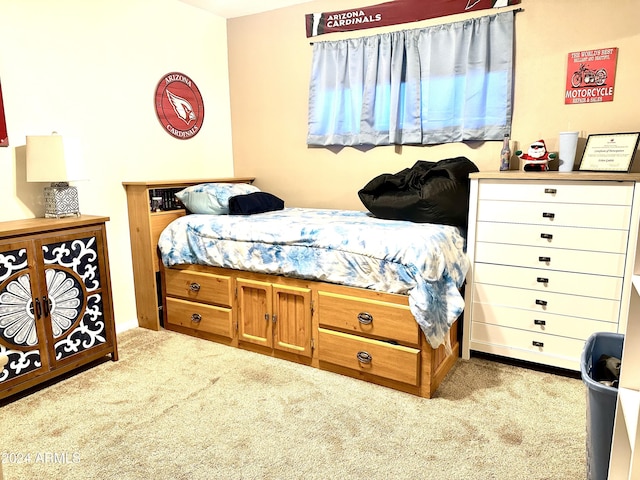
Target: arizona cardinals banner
{"x": 394, "y": 13}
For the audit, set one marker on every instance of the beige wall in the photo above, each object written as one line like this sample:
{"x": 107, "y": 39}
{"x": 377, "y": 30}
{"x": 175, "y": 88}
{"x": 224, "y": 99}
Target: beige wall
{"x": 269, "y": 65}
{"x": 89, "y": 68}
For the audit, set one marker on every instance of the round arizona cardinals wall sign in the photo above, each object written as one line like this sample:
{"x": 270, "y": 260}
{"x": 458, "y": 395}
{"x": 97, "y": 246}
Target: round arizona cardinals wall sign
{"x": 179, "y": 106}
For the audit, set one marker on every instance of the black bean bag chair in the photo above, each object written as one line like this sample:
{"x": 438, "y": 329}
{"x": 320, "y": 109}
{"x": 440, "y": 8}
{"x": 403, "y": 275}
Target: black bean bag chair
{"x": 428, "y": 192}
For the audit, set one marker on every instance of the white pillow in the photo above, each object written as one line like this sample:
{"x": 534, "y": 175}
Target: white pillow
{"x": 212, "y": 198}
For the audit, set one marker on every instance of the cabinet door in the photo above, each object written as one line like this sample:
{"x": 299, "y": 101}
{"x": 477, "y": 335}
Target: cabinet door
{"x": 78, "y": 298}
{"x": 292, "y": 321}
{"x": 255, "y": 312}
{"x": 22, "y": 333}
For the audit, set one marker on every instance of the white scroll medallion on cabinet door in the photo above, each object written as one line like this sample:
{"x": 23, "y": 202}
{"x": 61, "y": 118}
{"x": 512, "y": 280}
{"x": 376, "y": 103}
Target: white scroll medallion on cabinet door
{"x": 179, "y": 106}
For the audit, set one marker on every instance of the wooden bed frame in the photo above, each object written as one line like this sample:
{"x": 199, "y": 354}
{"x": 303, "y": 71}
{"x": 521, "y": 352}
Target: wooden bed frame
{"x": 352, "y": 331}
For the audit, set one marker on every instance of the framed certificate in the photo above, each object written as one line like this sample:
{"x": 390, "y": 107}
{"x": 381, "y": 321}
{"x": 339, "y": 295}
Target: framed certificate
{"x": 609, "y": 152}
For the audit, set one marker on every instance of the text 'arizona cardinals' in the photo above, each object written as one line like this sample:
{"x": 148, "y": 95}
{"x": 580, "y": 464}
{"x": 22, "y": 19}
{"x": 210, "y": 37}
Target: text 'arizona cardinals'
{"x": 179, "y": 105}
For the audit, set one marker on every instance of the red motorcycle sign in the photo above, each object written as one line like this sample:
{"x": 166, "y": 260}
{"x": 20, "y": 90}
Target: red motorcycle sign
{"x": 591, "y": 76}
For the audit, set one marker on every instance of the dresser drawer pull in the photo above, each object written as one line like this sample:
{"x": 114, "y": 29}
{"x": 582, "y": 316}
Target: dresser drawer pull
{"x": 537, "y": 344}
{"x": 364, "y": 357}
{"x": 542, "y": 280}
{"x": 544, "y": 259}
{"x": 542, "y": 323}
{"x": 541, "y": 302}
{"x": 553, "y": 191}
{"x": 548, "y": 215}
{"x": 194, "y": 287}
{"x": 196, "y": 317}
{"x": 365, "y": 318}
{"x": 546, "y": 236}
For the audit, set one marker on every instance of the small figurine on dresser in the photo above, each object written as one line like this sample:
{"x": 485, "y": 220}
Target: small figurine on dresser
{"x": 537, "y": 159}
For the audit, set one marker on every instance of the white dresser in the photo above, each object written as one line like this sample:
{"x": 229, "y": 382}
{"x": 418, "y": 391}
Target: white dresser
{"x": 552, "y": 255}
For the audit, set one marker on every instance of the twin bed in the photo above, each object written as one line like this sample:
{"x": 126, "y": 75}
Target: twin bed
{"x": 339, "y": 290}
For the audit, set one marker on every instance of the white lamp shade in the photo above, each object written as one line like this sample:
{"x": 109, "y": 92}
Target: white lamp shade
{"x": 52, "y": 158}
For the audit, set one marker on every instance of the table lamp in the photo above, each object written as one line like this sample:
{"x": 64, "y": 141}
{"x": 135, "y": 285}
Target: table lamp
{"x": 52, "y": 158}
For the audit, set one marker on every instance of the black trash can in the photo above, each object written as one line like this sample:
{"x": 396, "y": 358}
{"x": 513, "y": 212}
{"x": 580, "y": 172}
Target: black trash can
{"x": 601, "y": 402}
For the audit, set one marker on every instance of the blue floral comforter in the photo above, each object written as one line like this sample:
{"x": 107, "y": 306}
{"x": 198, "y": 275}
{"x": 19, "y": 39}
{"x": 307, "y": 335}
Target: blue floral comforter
{"x": 425, "y": 261}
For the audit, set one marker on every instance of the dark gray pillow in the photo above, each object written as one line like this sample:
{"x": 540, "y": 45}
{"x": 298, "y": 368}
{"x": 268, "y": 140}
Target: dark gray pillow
{"x": 257, "y": 202}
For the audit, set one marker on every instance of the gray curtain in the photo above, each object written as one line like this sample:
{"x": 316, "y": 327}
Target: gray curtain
{"x": 440, "y": 84}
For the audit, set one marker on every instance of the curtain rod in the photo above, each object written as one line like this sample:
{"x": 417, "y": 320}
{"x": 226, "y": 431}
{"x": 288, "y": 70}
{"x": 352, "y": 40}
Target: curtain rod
{"x": 515, "y": 10}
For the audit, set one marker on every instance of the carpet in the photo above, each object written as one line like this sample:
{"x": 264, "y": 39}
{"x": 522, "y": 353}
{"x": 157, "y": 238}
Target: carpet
{"x": 176, "y": 407}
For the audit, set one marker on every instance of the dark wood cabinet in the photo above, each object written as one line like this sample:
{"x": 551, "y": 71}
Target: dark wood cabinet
{"x": 56, "y": 307}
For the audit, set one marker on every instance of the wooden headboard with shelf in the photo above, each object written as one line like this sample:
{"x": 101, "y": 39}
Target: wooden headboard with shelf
{"x": 145, "y": 227}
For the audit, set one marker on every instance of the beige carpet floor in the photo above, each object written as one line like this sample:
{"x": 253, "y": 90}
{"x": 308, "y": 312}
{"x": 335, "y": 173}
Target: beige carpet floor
{"x": 175, "y": 407}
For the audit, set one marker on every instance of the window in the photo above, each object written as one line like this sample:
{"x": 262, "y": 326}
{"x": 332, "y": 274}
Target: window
{"x": 440, "y": 84}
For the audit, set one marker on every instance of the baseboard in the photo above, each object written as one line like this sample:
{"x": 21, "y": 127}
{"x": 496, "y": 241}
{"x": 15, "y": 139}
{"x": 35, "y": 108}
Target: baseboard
{"x": 123, "y": 327}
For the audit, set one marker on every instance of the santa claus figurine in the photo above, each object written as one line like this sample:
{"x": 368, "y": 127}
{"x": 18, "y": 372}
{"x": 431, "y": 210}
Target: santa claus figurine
{"x": 537, "y": 159}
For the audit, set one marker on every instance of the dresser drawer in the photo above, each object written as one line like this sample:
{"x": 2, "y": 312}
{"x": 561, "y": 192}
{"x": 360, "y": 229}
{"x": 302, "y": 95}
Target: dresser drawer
{"x": 561, "y": 214}
{"x": 387, "y": 321}
{"x": 533, "y": 347}
{"x": 198, "y": 286}
{"x": 558, "y": 303}
{"x": 394, "y": 362}
{"x": 549, "y": 280}
{"x": 602, "y": 193}
{"x": 597, "y": 263}
{"x": 201, "y": 317}
{"x": 593, "y": 239}
{"x": 540, "y": 322}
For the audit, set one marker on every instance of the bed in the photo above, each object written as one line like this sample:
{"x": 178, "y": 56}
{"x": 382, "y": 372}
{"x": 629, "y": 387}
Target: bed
{"x": 339, "y": 290}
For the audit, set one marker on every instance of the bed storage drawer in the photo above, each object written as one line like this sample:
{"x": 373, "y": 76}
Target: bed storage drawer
{"x": 383, "y": 320}
{"x": 394, "y": 362}
{"x": 200, "y": 317}
{"x": 198, "y": 286}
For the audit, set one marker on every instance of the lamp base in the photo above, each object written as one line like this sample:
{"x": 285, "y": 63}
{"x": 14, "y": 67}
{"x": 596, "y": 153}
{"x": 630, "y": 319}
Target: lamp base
{"x": 61, "y": 200}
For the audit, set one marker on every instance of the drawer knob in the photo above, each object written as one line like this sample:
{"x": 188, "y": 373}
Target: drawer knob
{"x": 546, "y": 236}
{"x": 542, "y": 280}
{"x": 365, "y": 318}
{"x": 537, "y": 344}
{"x": 552, "y": 191}
{"x": 541, "y": 302}
{"x": 364, "y": 357}
{"x": 194, "y": 287}
{"x": 548, "y": 215}
{"x": 544, "y": 259}
{"x": 196, "y": 317}
{"x": 542, "y": 323}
